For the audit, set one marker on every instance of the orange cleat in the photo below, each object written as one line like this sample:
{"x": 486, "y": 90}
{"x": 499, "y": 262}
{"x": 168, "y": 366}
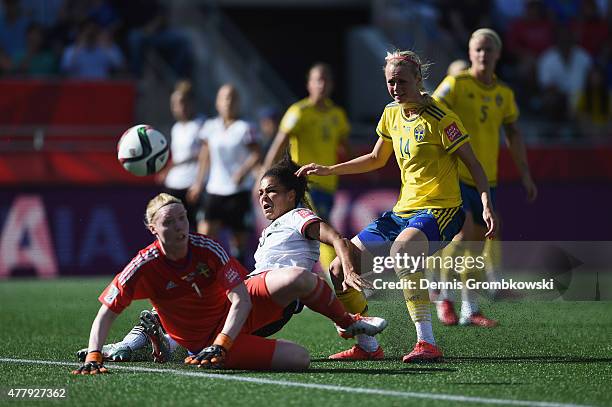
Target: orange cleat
{"x": 479, "y": 320}
{"x": 423, "y": 352}
{"x": 358, "y": 353}
{"x": 446, "y": 312}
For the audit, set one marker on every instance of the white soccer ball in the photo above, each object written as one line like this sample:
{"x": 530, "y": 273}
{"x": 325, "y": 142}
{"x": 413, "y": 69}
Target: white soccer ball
{"x": 142, "y": 150}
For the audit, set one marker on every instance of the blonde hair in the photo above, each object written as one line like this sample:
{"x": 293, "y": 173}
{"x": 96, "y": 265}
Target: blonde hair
{"x": 487, "y": 32}
{"x": 157, "y": 203}
{"x": 184, "y": 88}
{"x": 409, "y": 59}
{"x": 323, "y": 67}
{"x": 456, "y": 67}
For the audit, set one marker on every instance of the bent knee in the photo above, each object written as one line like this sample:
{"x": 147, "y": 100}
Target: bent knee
{"x": 300, "y": 276}
{"x": 290, "y": 356}
{"x": 300, "y": 359}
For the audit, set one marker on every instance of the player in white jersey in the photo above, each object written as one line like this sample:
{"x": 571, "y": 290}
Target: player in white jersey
{"x": 230, "y": 152}
{"x": 289, "y": 243}
{"x": 182, "y": 170}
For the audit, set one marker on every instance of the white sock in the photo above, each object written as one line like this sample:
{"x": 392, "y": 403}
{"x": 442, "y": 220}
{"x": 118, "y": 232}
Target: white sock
{"x": 424, "y": 332}
{"x": 136, "y": 338}
{"x": 469, "y": 305}
{"x": 446, "y": 295}
{"x": 366, "y": 342}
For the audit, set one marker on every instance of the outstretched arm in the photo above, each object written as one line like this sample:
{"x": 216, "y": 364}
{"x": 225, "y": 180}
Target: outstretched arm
{"x": 466, "y": 155}
{"x": 369, "y": 162}
{"x": 99, "y": 331}
{"x": 325, "y": 233}
{"x": 516, "y": 145}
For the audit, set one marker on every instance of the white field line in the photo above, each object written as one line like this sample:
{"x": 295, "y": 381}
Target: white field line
{"x": 316, "y": 386}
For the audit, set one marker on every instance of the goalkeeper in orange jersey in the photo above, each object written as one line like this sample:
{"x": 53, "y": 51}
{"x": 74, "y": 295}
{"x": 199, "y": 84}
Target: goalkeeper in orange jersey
{"x": 202, "y": 299}
{"x": 485, "y": 105}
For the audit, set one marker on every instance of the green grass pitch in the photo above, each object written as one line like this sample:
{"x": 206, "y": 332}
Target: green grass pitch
{"x": 543, "y": 352}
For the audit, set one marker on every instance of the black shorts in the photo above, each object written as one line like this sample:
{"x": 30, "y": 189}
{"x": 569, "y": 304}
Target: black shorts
{"x": 233, "y": 211}
{"x": 192, "y": 209}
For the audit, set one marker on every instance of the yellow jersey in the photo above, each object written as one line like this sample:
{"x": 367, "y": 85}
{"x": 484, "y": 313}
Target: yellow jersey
{"x": 483, "y": 110}
{"x": 314, "y": 136}
{"x": 424, "y": 147}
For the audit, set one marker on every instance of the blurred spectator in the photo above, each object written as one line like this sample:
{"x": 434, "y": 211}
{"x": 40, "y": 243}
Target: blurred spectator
{"x": 563, "y": 10}
{"x": 93, "y": 56}
{"x": 462, "y": 18}
{"x": 457, "y": 66}
{"x": 594, "y": 107}
{"x": 13, "y": 29}
{"x": 562, "y": 71}
{"x": 182, "y": 170}
{"x": 150, "y": 29}
{"x": 45, "y": 13}
{"x": 506, "y": 11}
{"x": 527, "y": 38}
{"x": 37, "y": 59}
{"x": 590, "y": 28}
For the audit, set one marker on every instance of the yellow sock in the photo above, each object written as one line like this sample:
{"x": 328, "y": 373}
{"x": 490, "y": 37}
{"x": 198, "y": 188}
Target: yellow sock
{"x": 354, "y": 301}
{"x": 448, "y": 274}
{"x": 328, "y": 254}
{"x": 476, "y": 273}
{"x": 417, "y": 299}
{"x": 493, "y": 258}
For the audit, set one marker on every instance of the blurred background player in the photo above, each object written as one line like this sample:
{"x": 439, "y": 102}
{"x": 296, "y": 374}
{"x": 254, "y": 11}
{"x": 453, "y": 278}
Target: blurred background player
{"x": 428, "y": 140}
{"x": 317, "y": 131}
{"x": 229, "y": 153}
{"x": 456, "y": 67}
{"x": 182, "y": 170}
{"x": 485, "y": 105}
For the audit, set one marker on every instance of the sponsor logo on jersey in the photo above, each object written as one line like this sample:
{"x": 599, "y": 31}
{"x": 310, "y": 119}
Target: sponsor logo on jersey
{"x": 202, "y": 269}
{"x": 419, "y": 132}
{"x": 452, "y": 132}
{"x": 231, "y": 275}
{"x": 304, "y": 213}
{"x": 171, "y": 285}
{"x": 112, "y": 293}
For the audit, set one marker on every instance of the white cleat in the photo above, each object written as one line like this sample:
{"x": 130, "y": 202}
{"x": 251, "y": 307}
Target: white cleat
{"x": 363, "y": 325}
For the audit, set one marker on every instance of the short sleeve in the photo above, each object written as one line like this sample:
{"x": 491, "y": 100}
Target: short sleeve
{"x": 303, "y": 217}
{"x": 383, "y": 129}
{"x": 116, "y": 296}
{"x": 231, "y": 274}
{"x": 206, "y": 130}
{"x": 250, "y": 135}
{"x": 511, "y": 111}
{"x": 290, "y": 120}
{"x": 452, "y": 133}
{"x": 445, "y": 91}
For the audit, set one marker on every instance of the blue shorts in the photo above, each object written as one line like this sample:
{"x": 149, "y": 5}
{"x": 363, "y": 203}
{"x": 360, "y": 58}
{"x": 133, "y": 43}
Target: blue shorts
{"x": 472, "y": 202}
{"x": 439, "y": 225}
{"x": 323, "y": 202}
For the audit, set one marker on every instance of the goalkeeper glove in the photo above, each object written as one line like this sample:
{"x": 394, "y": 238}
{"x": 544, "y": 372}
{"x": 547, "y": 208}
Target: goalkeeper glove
{"x": 214, "y": 355}
{"x": 93, "y": 364}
